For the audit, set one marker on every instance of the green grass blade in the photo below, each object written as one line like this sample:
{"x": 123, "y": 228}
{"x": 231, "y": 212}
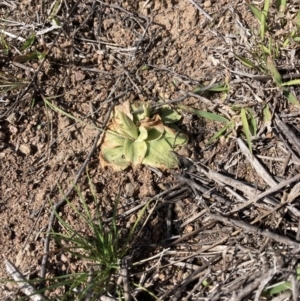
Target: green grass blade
{"x": 139, "y": 217}
{"x": 4, "y": 45}
{"x": 297, "y": 19}
{"x": 35, "y": 55}
{"x": 266, "y": 7}
{"x": 211, "y": 116}
{"x": 245, "y": 61}
{"x": 213, "y": 88}
{"x": 246, "y": 128}
{"x": 220, "y": 133}
{"x": 263, "y": 26}
{"x": 147, "y": 291}
{"x": 256, "y": 12}
{"x": 55, "y": 9}
{"x": 277, "y": 289}
{"x": 291, "y": 97}
{"x": 291, "y": 82}
{"x": 204, "y": 114}
{"x": 29, "y": 41}
{"x": 219, "y": 88}
{"x": 267, "y": 114}
{"x": 253, "y": 125}
{"x": 281, "y": 5}
{"x": 266, "y": 50}
{"x": 58, "y": 110}
{"x": 264, "y": 16}
{"x": 274, "y": 72}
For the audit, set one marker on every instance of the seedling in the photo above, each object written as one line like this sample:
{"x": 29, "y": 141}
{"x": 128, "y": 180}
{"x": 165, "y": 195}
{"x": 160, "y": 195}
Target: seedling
{"x": 271, "y": 44}
{"x": 280, "y": 287}
{"x": 9, "y": 82}
{"x": 246, "y": 117}
{"x": 100, "y": 252}
{"x": 134, "y": 136}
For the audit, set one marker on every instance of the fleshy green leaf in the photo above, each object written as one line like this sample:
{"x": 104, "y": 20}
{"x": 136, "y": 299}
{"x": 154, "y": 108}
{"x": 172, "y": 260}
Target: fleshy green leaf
{"x": 154, "y": 134}
{"x": 169, "y": 115}
{"x": 143, "y": 134}
{"x": 151, "y": 143}
{"x": 135, "y": 152}
{"x": 126, "y": 126}
{"x": 174, "y": 138}
{"x": 159, "y": 155}
{"x": 142, "y": 110}
{"x": 114, "y": 157}
{"x": 113, "y": 139}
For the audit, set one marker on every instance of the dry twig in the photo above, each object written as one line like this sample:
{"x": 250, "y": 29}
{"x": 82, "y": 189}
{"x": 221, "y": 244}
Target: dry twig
{"x": 25, "y": 287}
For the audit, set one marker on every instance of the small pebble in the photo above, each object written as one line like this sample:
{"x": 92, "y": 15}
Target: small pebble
{"x": 12, "y": 118}
{"x": 132, "y": 189}
{"x": 25, "y": 149}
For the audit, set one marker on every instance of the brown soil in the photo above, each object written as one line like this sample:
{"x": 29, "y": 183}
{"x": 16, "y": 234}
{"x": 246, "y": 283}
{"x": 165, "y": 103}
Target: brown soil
{"x": 142, "y": 50}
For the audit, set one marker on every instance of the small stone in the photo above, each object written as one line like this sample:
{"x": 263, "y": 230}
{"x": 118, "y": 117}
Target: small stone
{"x": 131, "y": 189}
{"x": 13, "y": 129}
{"x": 183, "y": 151}
{"x": 207, "y": 4}
{"x": 132, "y": 219}
{"x": 25, "y": 149}
{"x": 64, "y": 258}
{"x": 12, "y": 118}
{"x": 189, "y": 229}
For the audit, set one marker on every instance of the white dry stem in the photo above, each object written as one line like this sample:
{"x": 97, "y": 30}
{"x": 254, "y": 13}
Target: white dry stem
{"x": 201, "y": 10}
{"x": 12, "y": 35}
{"x": 256, "y": 164}
{"x": 43, "y": 31}
{"x": 25, "y": 287}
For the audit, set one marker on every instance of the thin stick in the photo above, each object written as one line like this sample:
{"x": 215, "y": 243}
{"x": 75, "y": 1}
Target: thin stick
{"x": 25, "y": 287}
{"x": 180, "y": 287}
{"x": 268, "y": 192}
{"x": 256, "y": 164}
{"x": 201, "y": 10}
{"x": 124, "y": 275}
{"x": 247, "y": 189}
{"x": 255, "y": 230}
{"x": 284, "y": 129}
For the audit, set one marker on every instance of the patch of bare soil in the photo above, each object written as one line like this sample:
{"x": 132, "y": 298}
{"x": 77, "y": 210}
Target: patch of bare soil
{"x": 221, "y": 227}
